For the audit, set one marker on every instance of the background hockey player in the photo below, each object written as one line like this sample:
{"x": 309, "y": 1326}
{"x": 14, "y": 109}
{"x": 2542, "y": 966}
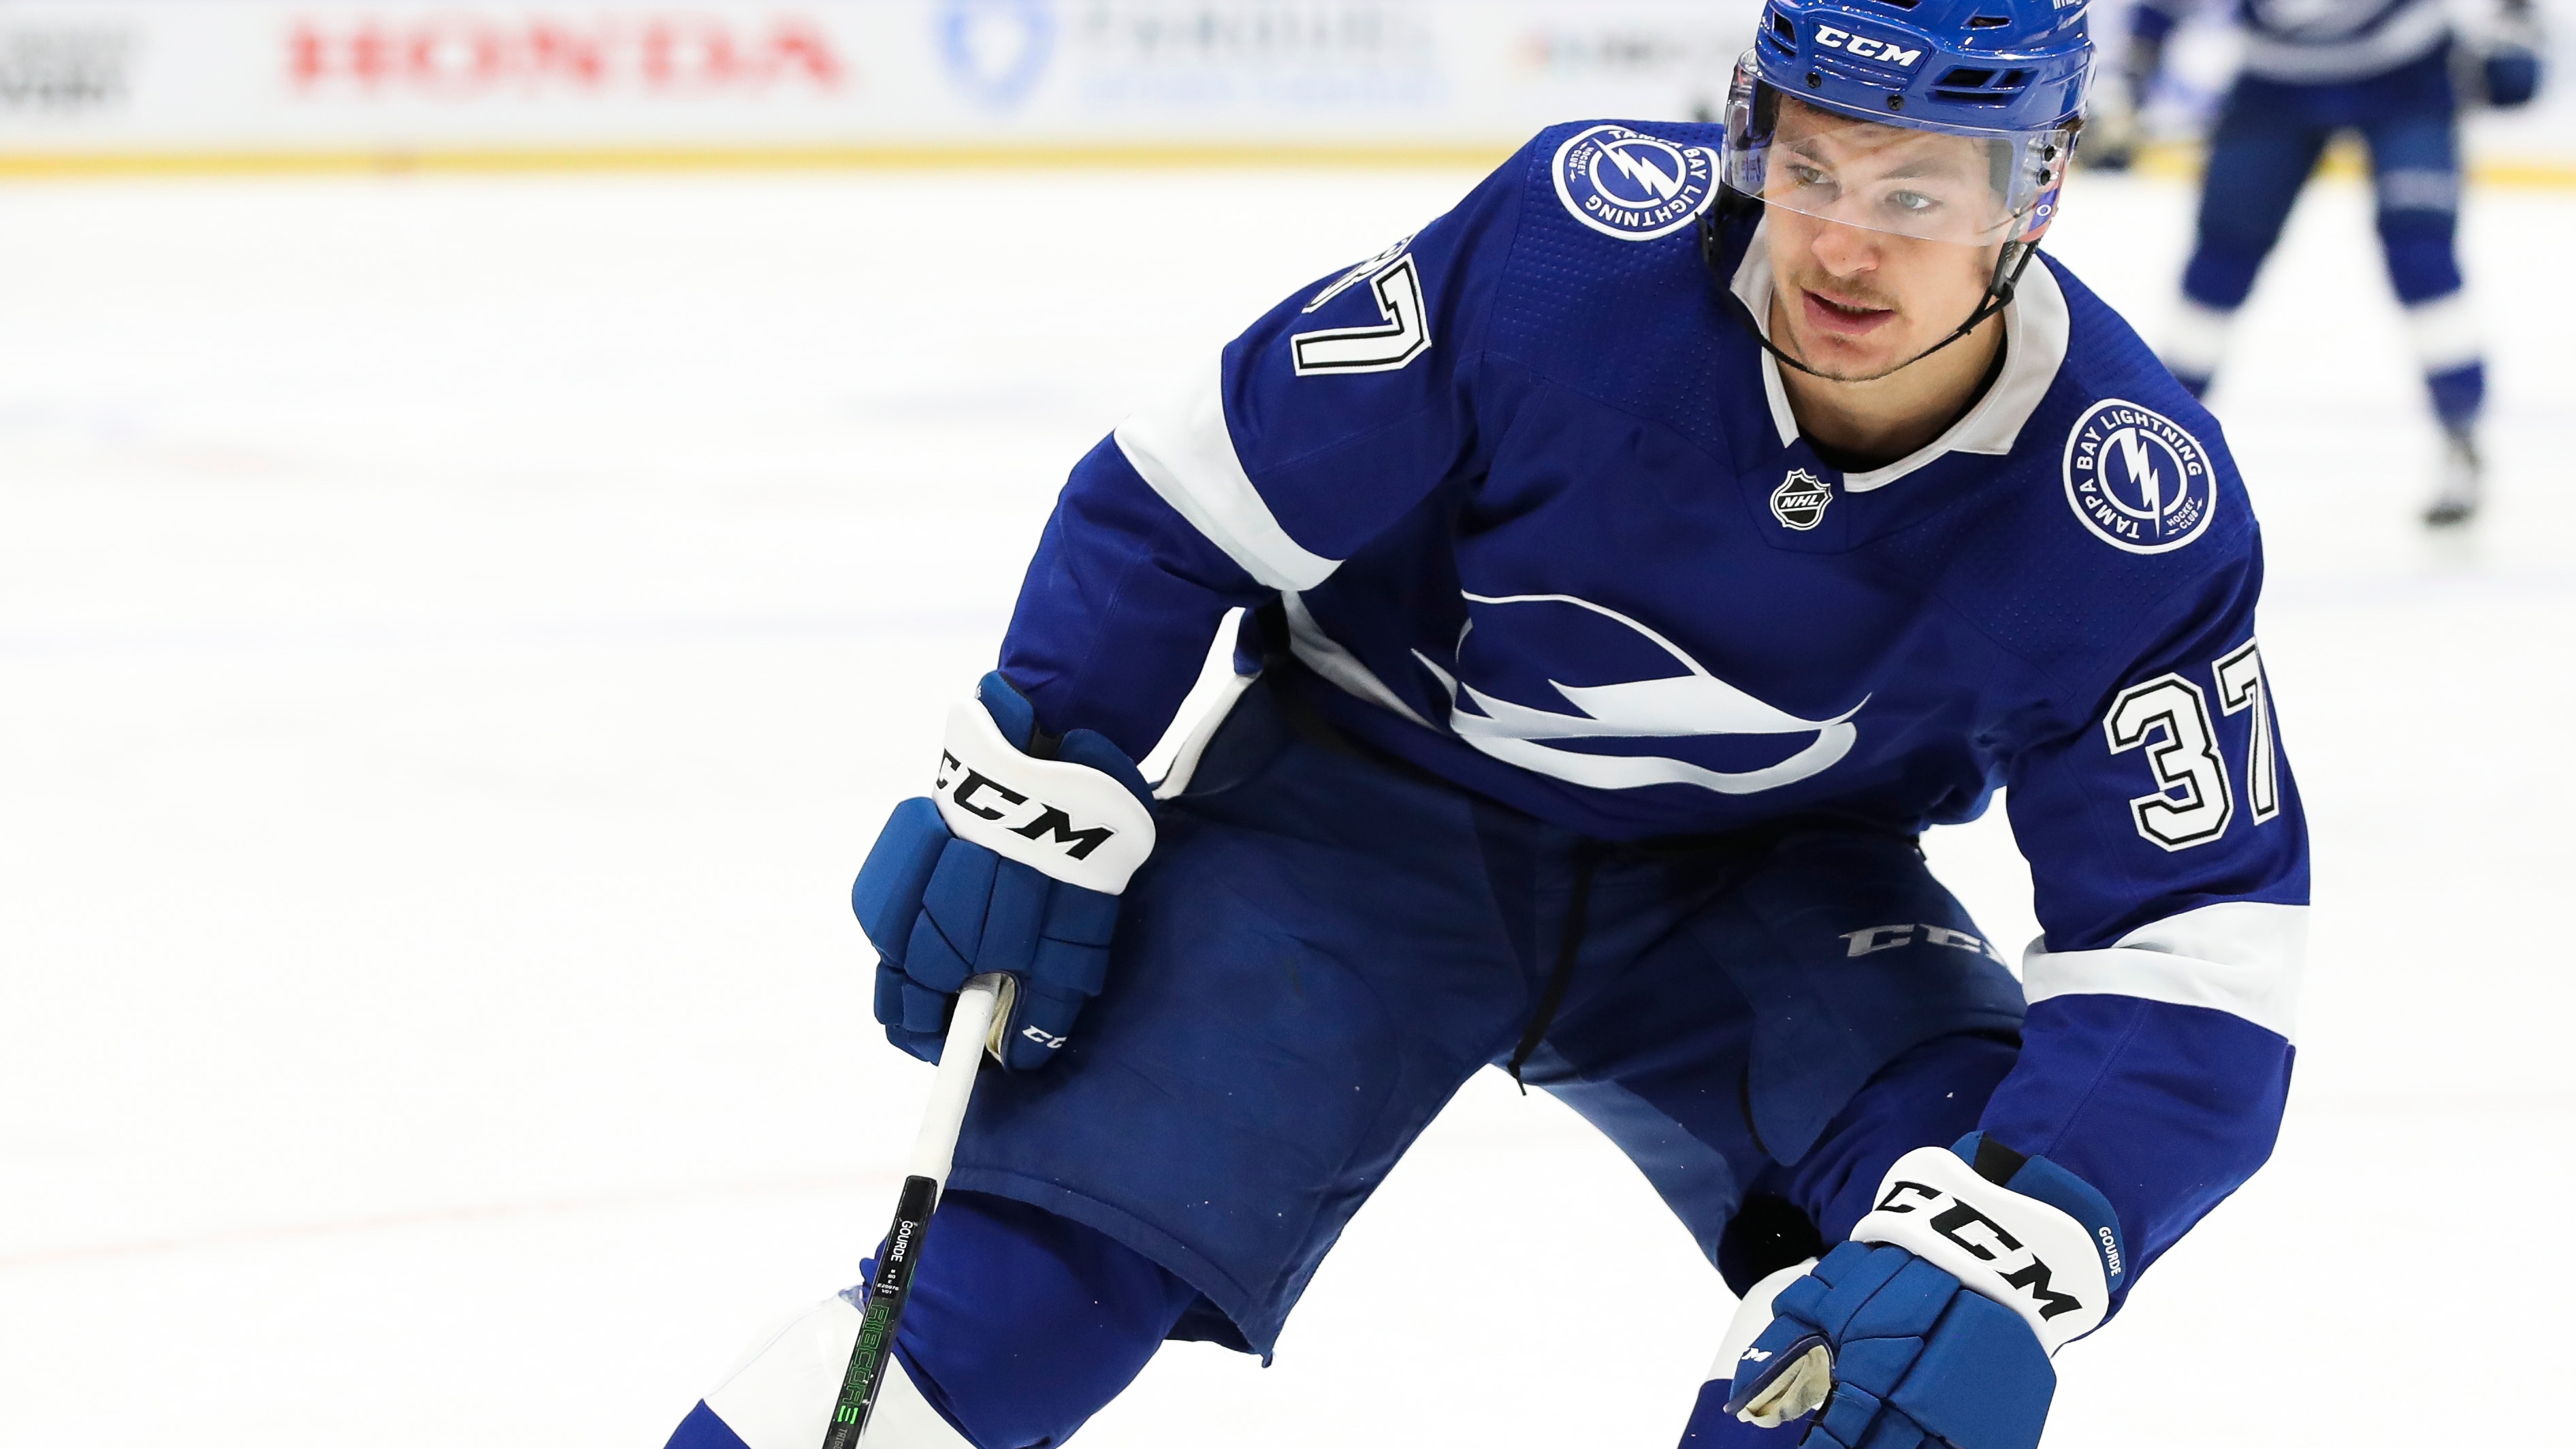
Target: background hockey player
{"x": 1639, "y": 557}
{"x": 2390, "y": 70}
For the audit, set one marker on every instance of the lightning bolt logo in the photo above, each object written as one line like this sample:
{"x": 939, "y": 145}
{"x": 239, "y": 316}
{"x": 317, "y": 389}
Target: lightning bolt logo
{"x": 2139, "y": 480}
{"x": 2142, "y": 472}
{"x": 1643, "y": 172}
{"x": 1627, "y": 184}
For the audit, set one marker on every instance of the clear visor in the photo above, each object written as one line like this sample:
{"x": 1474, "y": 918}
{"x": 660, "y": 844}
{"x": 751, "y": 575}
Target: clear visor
{"x": 1976, "y": 188}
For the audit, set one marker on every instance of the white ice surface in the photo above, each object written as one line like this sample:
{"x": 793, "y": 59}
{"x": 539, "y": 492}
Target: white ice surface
{"x": 458, "y": 636}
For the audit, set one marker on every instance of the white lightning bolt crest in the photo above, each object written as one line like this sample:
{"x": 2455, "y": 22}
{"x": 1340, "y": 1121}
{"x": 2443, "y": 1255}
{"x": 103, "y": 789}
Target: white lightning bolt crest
{"x": 1644, "y": 173}
{"x": 2142, "y": 471}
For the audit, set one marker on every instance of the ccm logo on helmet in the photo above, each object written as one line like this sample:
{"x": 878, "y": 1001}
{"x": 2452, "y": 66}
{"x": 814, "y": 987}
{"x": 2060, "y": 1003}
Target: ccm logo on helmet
{"x": 981, "y": 795}
{"x": 1885, "y": 52}
{"x": 1985, "y": 1240}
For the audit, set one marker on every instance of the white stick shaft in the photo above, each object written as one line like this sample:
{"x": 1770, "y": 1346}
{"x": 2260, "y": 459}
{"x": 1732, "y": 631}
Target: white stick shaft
{"x": 968, "y": 1026}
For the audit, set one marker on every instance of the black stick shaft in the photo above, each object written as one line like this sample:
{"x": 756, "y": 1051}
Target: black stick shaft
{"x": 970, "y": 1023}
{"x": 888, "y": 1292}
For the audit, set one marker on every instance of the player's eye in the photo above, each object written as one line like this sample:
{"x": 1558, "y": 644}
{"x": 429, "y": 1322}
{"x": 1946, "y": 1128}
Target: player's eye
{"x": 1810, "y": 176}
{"x": 1913, "y": 203}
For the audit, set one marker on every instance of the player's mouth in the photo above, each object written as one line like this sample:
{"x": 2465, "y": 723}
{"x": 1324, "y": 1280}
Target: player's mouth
{"x": 1842, "y": 317}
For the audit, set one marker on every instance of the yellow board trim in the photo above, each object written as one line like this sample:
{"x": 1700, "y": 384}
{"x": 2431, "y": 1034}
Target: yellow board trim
{"x": 2166, "y": 159}
{"x": 2346, "y": 161}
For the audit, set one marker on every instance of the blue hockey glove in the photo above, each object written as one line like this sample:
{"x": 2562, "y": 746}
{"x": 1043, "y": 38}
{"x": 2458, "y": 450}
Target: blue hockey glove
{"x": 1935, "y": 1323}
{"x": 1014, "y": 864}
{"x": 2508, "y": 65}
{"x": 2512, "y": 74}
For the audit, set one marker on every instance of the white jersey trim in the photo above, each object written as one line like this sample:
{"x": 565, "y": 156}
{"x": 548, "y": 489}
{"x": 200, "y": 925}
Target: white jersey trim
{"x": 2407, "y": 36}
{"x": 1324, "y": 654}
{"x": 2245, "y": 958}
{"x": 1190, "y": 748}
{"x": 2037, "y": 329}
{"x": 1753, "y": 287}
{"x": 1183, "y": 449}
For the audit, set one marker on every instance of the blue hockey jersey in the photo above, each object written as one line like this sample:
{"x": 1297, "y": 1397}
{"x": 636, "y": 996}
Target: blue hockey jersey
{"x": 1535, "y": 503}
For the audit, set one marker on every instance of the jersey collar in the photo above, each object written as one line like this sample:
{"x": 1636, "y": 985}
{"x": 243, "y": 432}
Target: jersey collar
{"x": 2035, "y": 331}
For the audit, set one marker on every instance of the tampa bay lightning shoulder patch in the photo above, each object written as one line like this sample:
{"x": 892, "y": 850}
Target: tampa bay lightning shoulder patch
{"x": 1633, "y": 186}
{"x": 2138, "y": 480}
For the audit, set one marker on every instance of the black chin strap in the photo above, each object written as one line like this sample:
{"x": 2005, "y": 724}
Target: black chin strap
{"x": 2009, "y": 265}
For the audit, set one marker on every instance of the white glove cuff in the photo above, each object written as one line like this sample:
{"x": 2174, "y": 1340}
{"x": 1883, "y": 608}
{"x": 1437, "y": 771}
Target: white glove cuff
{"x": 2032, "y": 1258}
{"x": 1752, "y": 1315}
{"x": 1065, "y": 821}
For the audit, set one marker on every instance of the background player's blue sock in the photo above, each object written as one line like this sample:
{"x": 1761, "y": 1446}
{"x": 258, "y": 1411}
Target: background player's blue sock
{"x": 2459, "y": 395}
{"x": 2416, "y": 163}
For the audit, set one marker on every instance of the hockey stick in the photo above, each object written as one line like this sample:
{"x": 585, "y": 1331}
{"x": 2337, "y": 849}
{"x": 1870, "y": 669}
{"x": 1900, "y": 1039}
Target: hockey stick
{"x": 979, "y": 1006}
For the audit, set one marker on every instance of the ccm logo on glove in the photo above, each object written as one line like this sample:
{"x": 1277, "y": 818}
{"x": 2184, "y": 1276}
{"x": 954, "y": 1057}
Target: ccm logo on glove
{"x": 1050, "y": 823}
{"x": 2024, "y": 1246}
{"x": 1982, "y": 1236}
{"x": 1066, "y": 821}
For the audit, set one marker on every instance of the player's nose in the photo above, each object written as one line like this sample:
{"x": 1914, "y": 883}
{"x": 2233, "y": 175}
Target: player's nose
{"x": 1843, "y": 249}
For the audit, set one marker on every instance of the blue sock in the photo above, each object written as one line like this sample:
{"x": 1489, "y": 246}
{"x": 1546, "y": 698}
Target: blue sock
{"x": 1023, "y": 1324}
{"x": 2459, "y": 393}
{"x": 703, "y": 1430}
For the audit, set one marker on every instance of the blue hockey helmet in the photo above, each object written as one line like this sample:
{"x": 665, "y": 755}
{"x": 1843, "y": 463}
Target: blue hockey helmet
{"x": 1981, "y": 67}
{"x": 2010, "y": 73}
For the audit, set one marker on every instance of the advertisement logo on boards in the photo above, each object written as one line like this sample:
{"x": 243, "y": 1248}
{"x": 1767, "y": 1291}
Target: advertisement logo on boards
{"x": 995, "y": 50}
{"x": 459, "y": 53}
{"x": 55, "y": 70}
{"x": 1299, "y": 55}
{"x": 1630, "y": 52}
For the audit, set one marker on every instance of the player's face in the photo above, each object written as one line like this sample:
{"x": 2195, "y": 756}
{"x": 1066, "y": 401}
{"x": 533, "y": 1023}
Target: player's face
{"x": 1882, "y": 239}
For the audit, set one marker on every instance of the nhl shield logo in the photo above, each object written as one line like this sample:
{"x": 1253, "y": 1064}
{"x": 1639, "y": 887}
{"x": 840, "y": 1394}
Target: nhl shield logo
{"x": 2137, "y": 479}
{"x": 1631, "y": 185}
{"x": 1800, "y": 500}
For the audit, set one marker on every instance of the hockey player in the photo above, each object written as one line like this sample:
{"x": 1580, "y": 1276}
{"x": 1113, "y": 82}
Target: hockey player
{"x": 1638, "y": 558}
{"x": 2312, "y": 68}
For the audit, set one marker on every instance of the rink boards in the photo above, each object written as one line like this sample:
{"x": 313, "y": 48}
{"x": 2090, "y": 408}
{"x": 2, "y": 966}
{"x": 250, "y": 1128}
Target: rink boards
{"x": 127, "y": 85}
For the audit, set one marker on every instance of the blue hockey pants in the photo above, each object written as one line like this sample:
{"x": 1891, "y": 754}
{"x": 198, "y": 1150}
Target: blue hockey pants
{"x": 1325, "y": 946}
